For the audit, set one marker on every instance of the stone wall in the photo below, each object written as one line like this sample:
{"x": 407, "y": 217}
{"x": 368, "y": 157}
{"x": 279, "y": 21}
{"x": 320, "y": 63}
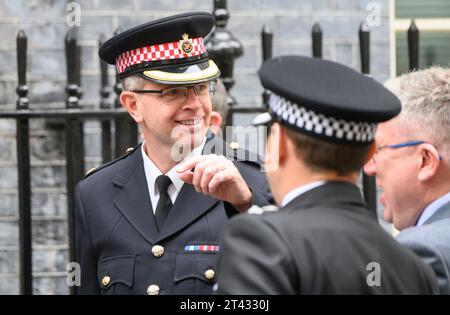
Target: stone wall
{"x": 44, "y": 22}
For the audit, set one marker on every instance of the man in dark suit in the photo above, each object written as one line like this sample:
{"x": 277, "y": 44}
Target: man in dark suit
{"x": 149, "y": 222}
{"x": 323, "y": 240}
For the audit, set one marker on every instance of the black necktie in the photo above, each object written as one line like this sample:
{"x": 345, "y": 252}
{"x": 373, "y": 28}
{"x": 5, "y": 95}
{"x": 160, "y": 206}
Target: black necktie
{"x": 164, "y": 202}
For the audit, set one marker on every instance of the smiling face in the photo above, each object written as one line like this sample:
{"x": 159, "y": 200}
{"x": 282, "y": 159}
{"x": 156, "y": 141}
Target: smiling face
{"x": 173, "y": 118}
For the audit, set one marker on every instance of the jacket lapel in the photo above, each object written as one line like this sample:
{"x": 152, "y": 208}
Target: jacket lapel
{"x": 134, "y": 201}
{"x": 189, "y": 206}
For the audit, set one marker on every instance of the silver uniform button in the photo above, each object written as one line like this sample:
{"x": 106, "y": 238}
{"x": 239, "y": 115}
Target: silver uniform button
{"x": 153, "y": 290}
{"x": 157, "y": 251}
{"x": 209, "y": 274}
{"x": 106, "y": 280}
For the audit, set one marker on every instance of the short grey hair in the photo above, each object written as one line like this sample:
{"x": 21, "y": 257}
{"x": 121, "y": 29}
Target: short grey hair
{"x": 220, "y": 101}
{"x": 133, "y": 82}
{"x": 425, "y": 98}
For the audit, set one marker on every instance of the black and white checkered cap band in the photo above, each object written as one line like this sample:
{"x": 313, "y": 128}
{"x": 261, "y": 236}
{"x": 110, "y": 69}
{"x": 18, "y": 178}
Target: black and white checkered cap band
{"x": 321, "y": 125}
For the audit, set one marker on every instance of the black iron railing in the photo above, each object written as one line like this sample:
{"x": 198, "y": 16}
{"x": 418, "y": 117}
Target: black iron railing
{"x": 73, "y": 116}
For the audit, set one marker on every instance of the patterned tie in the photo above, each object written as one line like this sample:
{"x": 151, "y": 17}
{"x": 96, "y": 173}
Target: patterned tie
{"x": 164, "y": 202}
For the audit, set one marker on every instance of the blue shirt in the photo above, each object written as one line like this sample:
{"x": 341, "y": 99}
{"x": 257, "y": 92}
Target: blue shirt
{"x": 432, "y": 208}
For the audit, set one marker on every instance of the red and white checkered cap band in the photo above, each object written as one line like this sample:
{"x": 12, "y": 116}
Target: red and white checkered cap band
{"x": 157, "y": 52}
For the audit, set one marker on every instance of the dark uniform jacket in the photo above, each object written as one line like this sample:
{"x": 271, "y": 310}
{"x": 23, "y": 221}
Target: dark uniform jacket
{"x": 116, "y": 231}
{"x": 323, "y": 242}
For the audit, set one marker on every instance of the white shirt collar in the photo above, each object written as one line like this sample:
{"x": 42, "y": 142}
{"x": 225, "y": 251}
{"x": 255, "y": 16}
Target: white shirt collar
{"x": 294, "y": 193}
{"x": 152, "y": 172}
{"x": 432, "y": 208}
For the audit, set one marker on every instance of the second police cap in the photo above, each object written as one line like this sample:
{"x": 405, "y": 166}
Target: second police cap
{"x": 167, "y": 51}
{"x": 326, "y": 100}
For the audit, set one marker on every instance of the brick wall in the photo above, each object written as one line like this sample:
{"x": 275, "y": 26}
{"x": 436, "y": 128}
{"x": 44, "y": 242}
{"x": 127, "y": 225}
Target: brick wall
{"x": 44, "y": 21}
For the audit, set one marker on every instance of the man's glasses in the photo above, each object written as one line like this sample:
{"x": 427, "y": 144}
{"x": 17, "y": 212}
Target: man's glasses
{"x": 401, "y": 145}
{"x": 178, "y": 94}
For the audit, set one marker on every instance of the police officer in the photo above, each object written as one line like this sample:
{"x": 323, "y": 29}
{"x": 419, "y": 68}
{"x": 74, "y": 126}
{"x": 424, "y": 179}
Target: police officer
{"x": 323, "y": 240}
{"x": 148, "y": 222}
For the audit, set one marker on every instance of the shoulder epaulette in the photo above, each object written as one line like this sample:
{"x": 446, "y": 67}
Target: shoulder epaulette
{"x": 95, "y": 169}
{"x": 261, "y": 210}
{"x": 231, "y": 150}
{"x": 236, "y": 153}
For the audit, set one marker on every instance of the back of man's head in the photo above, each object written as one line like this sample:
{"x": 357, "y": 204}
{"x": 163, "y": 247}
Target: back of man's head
{"x": 425, "y": 99}
{"x": 324, "y": 156}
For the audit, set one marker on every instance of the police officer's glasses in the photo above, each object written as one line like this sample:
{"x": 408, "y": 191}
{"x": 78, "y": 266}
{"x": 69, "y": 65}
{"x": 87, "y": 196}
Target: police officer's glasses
{"x": 178, "y": 94}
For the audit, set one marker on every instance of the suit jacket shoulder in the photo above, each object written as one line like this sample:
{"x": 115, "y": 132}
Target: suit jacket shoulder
{"x": 254, "y": 258}
{"x": 431, "y": 242}
{"x": 113, "y": 162}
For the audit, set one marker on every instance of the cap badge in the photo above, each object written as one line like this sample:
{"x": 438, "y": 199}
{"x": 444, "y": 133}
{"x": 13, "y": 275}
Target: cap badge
{"x": 186, "y": 44}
